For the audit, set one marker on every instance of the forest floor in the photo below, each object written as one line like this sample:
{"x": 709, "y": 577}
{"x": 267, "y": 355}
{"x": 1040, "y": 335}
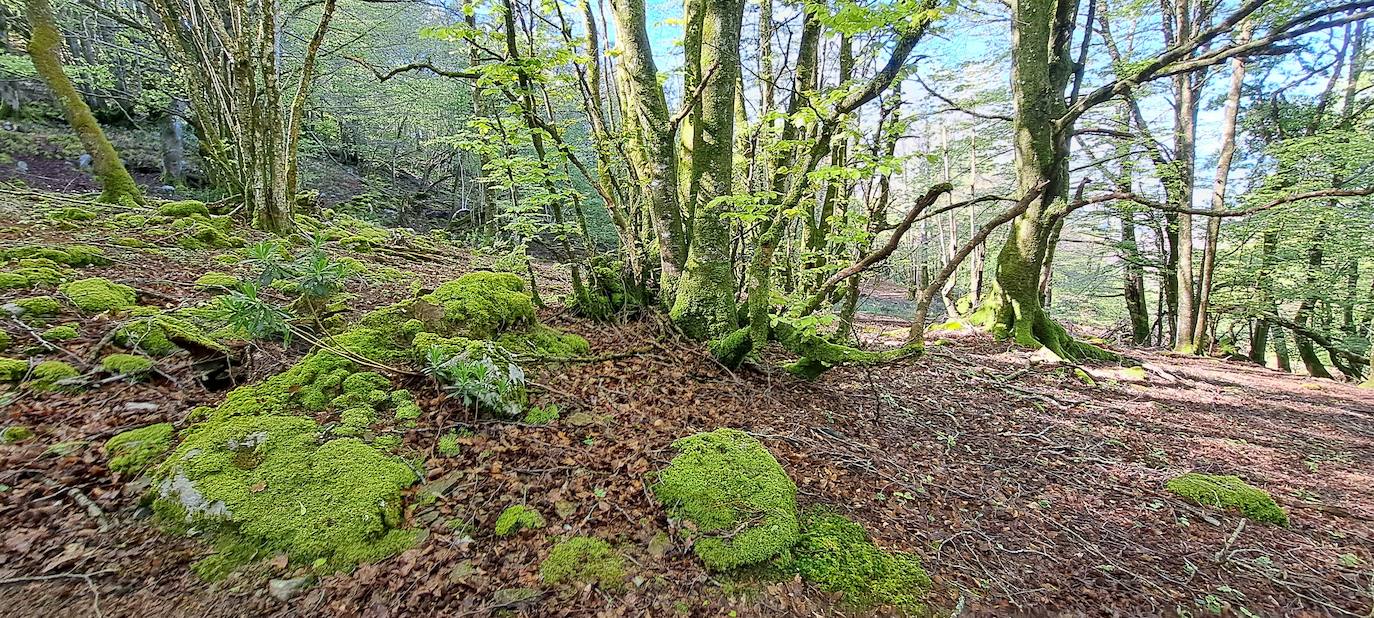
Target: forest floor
{"x": 1022, "y": 488}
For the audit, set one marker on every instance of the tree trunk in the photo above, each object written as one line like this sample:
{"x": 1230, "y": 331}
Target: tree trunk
{"x": 44, "y": 48}
{"x": 1186, "y": 93}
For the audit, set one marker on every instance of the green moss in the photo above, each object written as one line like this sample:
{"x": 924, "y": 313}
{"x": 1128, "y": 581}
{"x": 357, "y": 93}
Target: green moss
{"x": 1228, "y": 492}
{"x": 836, "y": 554}
{"x": 183, "y": 208}
{"x": 217, "y": 281}
{"x": 227, "y": 259}
{"x": 542, "y": 415}
{"x": 46, "y": 374}
{"x": 544, "y": 342}
{"x": 39, "y": 305}
{"x": 732, "y": 349}
{"x": 133, "y": 243}
{"x": 160, "y": 334}
{"x": 517, "y": 518}
{"x": 73, "y": 213}
{"x": 405, "y": 410}
{"x": 737, "y": 496}
{"x": 583, "y": 560}
{"x": 484, "y": 304}
{"x": 134, "y": 451}
{"x": 15, "y": 433}
{"x": 126, "y": 364}
{"x": 4, "y": 344}
{"x": 97, "y": 294}
{"x": 448, "y": 445}
{"x": 13, "y": 281}
{"x": 13, "y": 369}
{"x": 131, "y": 219}
{"x": 61, "y": 333}
{"x": 39, "y": 275}
{"x": 70, "y": 255}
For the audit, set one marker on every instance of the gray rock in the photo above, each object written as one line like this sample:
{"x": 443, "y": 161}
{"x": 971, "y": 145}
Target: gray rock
{"x": 286, "y": 589}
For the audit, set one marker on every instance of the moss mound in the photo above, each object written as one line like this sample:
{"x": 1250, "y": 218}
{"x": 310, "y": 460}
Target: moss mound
{"x": 70, "y": 255}
{"x": 160, "y": 334}
{"x": 583, "y": 560}
{"x": 216, "y": 281}
{"x": 13, "y": 369}
{"x": 183, "y": 208}
{"x": 1228, "y": 492}
{"x": 736, "y": 494}
{"x": 836, "y": 554}
{"x": 134, "y": 451}
{"x": 97, "y": 294}
{"x": 39, "y": 306}
{"x": 482, "y": 305}
{"x": 46, "y": 374}
{"x": 15, "y": 433}
{"x": 73, "y": 213}
{"x": 126, "y": 364}
{"x": 61, "y": 333}
{"x": 517, "y": 518}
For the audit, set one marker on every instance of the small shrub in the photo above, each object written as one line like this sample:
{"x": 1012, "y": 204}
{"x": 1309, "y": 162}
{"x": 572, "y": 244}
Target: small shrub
{"x": 484, "y": 381}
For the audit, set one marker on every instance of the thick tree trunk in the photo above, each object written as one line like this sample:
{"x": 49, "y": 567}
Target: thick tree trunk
{"x": 44, "y": 48}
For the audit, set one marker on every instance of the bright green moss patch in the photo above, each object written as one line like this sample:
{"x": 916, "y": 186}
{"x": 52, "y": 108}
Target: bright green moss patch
{"x": 1229, "y": 492}
{"x": 71, "y": 255}
{"x": 13, "y": 281}
{"x": 4, "y": 345}
{"x": 183, "y": 208}
{"x": 39, "y": 305}
{"x": 448, "y": 445}
{"x": 46, "y": 374}
{"x": 126, "y": 364}
{"x": 517, "y": 518}
{"x": 836, "y": 554}
{"x": 73, "y": 213}
{"x": 13, "y": 369}
{"x": 134, "y": 451}
{"x": 583, "y": 560}
{"x": 160, "y": 334}
{"x": 61, "y": 333}
{"x": 484, "y": 304}
{"x": 542, "y": 415}
{"x": 738, "y": 497}
{"x": 15, "y": 433}
{"x": 216, "y": 281}
{"x": 544, "y": 342}
{"x": 98, "y": 294}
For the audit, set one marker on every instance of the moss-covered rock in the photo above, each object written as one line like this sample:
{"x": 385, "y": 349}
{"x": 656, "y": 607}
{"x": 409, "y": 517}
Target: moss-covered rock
{"x": 836, "y": 554}
{"x": 136, "y": 450}
{"x": 183, "y": 208}
{"x": 70, "y": 255}
{"x": 13, "y": 369}
{"x": 15, "y": 433}
{"x": 160, "y": 334}
{"x": 217, "y": 281}
{"x": 583, "y": 560}
{"x": 543, "y": 342}
{"x": 1228, "y": 492}
{"x": 38, "y": 306}
{"x": 73, "y": 213}
{"x": 97, "y": 294}
{"x": 740, "y": 501}
{"x": 482, "y": 305}
{"x": 517, "y": 518}
{"x": 46, "y": 374}
{"x": 126, "y": 364}
{"x": 64, "y": 332}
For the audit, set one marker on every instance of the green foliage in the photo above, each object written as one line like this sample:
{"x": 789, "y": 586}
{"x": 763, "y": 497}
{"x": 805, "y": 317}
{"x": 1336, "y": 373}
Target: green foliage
{"x": 15, "y": 433}
{"x": 739, "y": 499}
{"x": 516, "y": 518}
{"x": 485, "y": 381}
{"x": 97, "y": 294}
{"x": 244, "y": 311}
{"x": 134, "y": 451}
{"x": 542, "y": 415}
{"x": 583, "y": 560}
{"x": 126, "y": 364}
{"x": 836, "y": 554}
{"x": 1228, "y": 492}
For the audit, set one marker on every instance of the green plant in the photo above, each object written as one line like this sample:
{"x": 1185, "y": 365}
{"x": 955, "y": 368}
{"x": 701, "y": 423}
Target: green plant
{"x": 517, "y": 518}
{"x": 485, "y": 381}
{"x": 244, "y": 310}
{"x": 584, "y": 560}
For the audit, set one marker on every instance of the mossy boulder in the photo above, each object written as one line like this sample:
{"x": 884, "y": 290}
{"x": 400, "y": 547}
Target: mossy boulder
{"x": 13, "y": 369}
{"x": 183, "y": 208}
{"x": 482, "y": 305}
{"x": 70, "y": 255}
{"x": 38, "y": 306}
{"x": 136, "y": 450}
{"x": 836, "y": 555}
{"x": 47, "y": 374}
{"x": 741, "y": 503}
{"x": 160, "y": 334}
{"x": 126, "y": 364}
{"x": 1228, "y": 492}
{"x": 64, "y": 332}
{"x": 584, "y": 560}
{"x": 516, "y": 518}
{"x": 97, "y": 294}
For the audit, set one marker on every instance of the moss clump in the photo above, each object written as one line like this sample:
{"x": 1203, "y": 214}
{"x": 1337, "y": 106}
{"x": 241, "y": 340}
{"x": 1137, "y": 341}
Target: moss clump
{"x": 4, "y": 343}
{"x": 13, "y": 369}
{"x": 160, "y": 334}
{"x": 736, "y": 494}
{"x": 98, "y": 294}
{"x": 71, "y": 255}
{"x": 61, "y": 333}
{"x": 836, "y": 554}
{"x": 183, "y": 208}
{"x": 583, "y": 560}
{"x": 268, "y": 480}
{"x": 134, "y": 451}
{"x": 39, "y": 305}
{"x": 517, "y": 518}
{"x": 46, "y": 374}
{"x": 482, "y": 305}
{"x": 448, "y": 445}
{"x": 13, "y": 281}
{"x": 15, "y": 433}
{"x": 199, "y": 232}
{"x": 1229, "y": 492}
{"x": 537, "y": 415}
{"x": 216, "y": 281}
{"x": 38, "y": 275}
{"x": 543, "y": 342}
{"x": 126, "y": 364}
{"x": 73, "y": 213}
{"x": 404, "y": 408}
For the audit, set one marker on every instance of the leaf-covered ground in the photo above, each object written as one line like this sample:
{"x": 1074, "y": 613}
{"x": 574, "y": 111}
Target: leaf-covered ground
{"x": 1024, "y": 489}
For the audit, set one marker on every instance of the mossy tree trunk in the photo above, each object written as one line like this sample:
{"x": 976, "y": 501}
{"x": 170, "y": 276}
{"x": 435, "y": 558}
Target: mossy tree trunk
{"x": 45, "y": 47}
